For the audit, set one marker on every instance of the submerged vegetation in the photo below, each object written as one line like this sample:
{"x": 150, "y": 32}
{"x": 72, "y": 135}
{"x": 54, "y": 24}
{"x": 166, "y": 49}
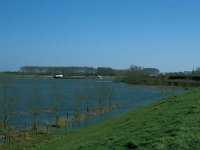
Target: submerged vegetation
{"x": 33, "y": 112}
{"x": 172, "y": 123}
{"x": 44, "y": 109}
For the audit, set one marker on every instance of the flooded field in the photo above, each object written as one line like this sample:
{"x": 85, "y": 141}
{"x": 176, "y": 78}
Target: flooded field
{"x": 74, "y": 103}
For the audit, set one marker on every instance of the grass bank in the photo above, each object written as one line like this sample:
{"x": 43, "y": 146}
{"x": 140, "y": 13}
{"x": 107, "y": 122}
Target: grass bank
{"x": 173, "y": 123}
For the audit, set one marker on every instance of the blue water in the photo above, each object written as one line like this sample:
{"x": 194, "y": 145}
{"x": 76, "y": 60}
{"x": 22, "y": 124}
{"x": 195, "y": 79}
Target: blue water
{"x": 116, "y": 113}
{"x": 70, "y": 94}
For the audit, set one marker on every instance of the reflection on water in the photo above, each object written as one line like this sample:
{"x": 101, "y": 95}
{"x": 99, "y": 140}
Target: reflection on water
{"x": 53, "y": 99}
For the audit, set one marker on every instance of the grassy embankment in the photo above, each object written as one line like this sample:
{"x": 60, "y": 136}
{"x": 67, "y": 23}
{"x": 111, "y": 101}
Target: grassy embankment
{"x": 173, "y": 123}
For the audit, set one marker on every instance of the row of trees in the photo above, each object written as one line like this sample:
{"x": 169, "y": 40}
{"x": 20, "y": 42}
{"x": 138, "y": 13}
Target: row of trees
{"x": 36, "y": 109}
{"x": 88, "y": 71}
{"x": 137, "y": 74}
{"x": 140, "y": 75}
{"x": 70, "y": 71}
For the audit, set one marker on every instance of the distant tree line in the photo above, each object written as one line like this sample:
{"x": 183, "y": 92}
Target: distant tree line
{"x": 87, "y": 71}
{"x": 70, "y": 71}
{"x": 138, "y": 75}
{"x": 58, "y": 70}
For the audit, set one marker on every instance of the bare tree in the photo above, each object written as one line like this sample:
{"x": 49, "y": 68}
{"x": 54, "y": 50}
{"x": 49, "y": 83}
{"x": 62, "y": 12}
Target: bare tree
{"x": 110, "y": 94}
{"x": 102, "y": 94}
{"x": 7, "y": 106}
{"x": 35, "y": 100}
{"x": 78, "y": 103}
{"x": 86, "y": 96}
{"x": 105, "y": 93}
{"x": 135, "y": 75}
{"x": 57, "y": 101}
{"x": 83, "y": 100}
{"x": 58, "y": 104}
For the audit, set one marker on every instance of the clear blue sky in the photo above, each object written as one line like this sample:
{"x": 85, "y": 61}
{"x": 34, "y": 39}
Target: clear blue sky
{"x": 115, "y": 33}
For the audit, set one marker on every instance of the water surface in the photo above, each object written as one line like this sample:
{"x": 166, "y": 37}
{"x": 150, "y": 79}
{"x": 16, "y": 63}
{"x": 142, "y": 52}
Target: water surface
{"x": 68, "y": 96}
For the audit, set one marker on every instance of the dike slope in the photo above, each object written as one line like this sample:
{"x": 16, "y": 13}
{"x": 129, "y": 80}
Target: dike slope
{"x": 173, "y": 123}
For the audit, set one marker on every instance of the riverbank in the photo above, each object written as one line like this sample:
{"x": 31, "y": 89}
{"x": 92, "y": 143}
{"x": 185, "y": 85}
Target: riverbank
{"x": 44, "y": 76}
{"x": 161, "y": 81}
{"x": 154, "y": 82}
{"x": 172, "y": 123}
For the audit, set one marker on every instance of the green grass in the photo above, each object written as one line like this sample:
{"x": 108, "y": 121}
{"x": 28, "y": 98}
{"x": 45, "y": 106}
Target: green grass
{"x": 173, "y": 123}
